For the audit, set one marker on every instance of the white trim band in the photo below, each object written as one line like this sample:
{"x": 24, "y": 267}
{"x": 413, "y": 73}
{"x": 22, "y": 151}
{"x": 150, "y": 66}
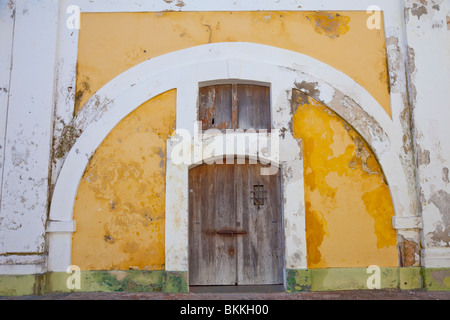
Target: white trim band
{"x": 61, "y": 226}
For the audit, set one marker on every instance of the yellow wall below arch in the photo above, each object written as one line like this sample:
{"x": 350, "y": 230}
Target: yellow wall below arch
{"x": 120, "y": 204}
{"x": 348, "y": 204}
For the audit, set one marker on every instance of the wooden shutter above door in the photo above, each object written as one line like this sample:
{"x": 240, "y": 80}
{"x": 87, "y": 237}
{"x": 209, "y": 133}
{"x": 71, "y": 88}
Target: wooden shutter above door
{"x": 215, "y": 107}
{"x": 253, "y": 107}
{"x": 235, "y": 106}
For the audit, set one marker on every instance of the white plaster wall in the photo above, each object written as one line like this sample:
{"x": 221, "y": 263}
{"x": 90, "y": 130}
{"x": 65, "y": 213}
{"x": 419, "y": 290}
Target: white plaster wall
{"x": 428, "y": 37}
{"x": 28, "y": 132}
{"x": 7, "y": 12}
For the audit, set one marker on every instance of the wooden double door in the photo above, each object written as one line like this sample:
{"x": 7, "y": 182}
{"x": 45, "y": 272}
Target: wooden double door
{"x": 235, "y": 225}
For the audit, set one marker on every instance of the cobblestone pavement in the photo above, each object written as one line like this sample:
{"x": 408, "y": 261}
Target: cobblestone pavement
{"x": 329, "y": 295}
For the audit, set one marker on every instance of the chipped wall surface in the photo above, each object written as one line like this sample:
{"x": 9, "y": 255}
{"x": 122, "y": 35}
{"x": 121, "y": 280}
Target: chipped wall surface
{"x": 120, "y": 202}
{"x": 27, "y": 133}
{"x": 429, "y": 71}
{"x": 348, "y": 204}
{"x": 6, "y": 42}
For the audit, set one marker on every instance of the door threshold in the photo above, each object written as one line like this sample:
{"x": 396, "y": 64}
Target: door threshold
{"x": 263, "y": 288}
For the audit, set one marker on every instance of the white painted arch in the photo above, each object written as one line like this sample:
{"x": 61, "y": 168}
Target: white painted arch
{"x": 184, "y": 70}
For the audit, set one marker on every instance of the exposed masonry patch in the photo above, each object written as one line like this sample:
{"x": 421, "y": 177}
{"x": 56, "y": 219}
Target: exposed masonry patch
{"x": 445, "y": 175}
{"x": 362, "y": 155}
{"x": 364, "y": 123}
{"x": 422, "y": 7}
{"x": 84, "y": 87}
{"x": 19, "y": 157}
{"x": 68, "y": 138}
{"x": 441, "y": 199}
{"x": 408, "y": 252}
{"x": 94, "y": 108}
{"x": 333, "y": 25}
{"x": 308, "y": 88}
{"x": 419, "y": 10}
{"x": 180, "y": 3}
{"x": 392, "y": 45}
{"x": 412, "y": 68}
{"x": 162, "y": 162}
{"x": 423, "y": 157}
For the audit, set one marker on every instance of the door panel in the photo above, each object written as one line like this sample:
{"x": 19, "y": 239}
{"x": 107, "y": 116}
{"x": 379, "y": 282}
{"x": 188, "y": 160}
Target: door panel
{"x": 235, "y": 227}
{"x": 260, "y": 255}
{"x": 212, "y": 256}
{"x": 253, "y": 107}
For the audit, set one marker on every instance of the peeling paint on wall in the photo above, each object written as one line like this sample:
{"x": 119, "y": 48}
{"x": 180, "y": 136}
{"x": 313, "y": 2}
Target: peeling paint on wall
{"x": 445, "y": 175}
{"x": 423, "y": 156}
{"x": 120, "y": 203}
{"x": 68, "y": 138}
{"x": 408, "y": 251}
{"x": 418, "y": 9}
{"x": 333, "y": 25}
{"x": 346, "y": 195}
{"x": 441, "y": 235}
{"x": 426, "y": 8}
{"x": 83, "y": 90}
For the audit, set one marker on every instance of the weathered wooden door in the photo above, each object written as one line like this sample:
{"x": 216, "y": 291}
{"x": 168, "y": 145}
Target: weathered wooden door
{"x": 235, "y": 226}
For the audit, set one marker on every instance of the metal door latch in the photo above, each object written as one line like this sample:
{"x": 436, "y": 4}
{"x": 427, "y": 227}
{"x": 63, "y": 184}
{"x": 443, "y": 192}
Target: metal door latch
{"x": 231, "y": 232}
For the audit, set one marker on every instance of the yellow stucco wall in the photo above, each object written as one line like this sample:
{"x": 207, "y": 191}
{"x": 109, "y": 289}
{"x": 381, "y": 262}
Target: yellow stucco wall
{"x": 120, "y": 203}
{"x": 348, "y": 204}
{"x": 111, "y": 43}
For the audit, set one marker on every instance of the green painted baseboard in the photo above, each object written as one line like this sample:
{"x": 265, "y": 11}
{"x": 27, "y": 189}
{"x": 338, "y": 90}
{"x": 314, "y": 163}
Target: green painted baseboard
{"x": 353, "y": 279}
{"x": 89, "y": 281}
{"x": 20, "y": 285}
{"x": 297, "y": 280}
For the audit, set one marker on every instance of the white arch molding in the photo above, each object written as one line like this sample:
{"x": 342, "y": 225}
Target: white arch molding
{"x": 184, "y": 70}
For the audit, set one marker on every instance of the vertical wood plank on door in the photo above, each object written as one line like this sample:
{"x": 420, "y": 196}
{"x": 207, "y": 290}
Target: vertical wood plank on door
{"x": 234, "y": 107}
{"x": 260, "y": 259}
{"x": 274, "y": 230}
{"x": 211, "y": 209}
{"x": 215, "y": 104}
{"x": 253, "y": 105}
{"x": 225, "y": 219}
{"x": 195, "y": 225}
